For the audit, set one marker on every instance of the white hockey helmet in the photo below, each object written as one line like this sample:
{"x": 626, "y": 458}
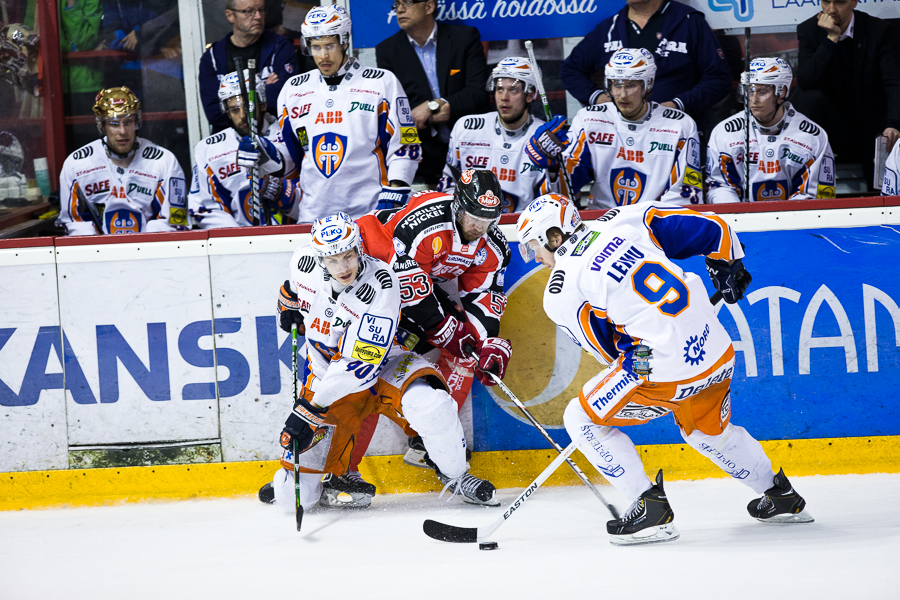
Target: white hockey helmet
{"x": 12, "y": 157}
{"x": 229, "y": 86}
{"x": 768, "y": 71}
{"x": 515, "y": 67}
{"x": 632, "y": 64}
{"x": 325, "y": 20}
{"x": 333, "y": 235}
{"x": 544, "y": 213}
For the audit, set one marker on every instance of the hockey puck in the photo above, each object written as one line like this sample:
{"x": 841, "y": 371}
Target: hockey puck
{"x": 488, "y": 546}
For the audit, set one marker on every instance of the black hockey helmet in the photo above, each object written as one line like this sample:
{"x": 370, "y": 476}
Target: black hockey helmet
{"x": 478, "y": 193}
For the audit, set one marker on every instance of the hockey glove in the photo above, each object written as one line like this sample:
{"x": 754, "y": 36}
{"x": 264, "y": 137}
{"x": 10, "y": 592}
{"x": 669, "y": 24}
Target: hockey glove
{"x": 279, "y": 192}
{"x": 393, "y": 197}
{"x": 730, "y": 280}
{"x": 289, "y": 310}
{"x": 548, "y": 142}
{"x": 637, "y": 360}
{"x": 494, "y": 357}
{"x": 250, "y": 155}
{"x": 452, "y": 335}
{"x": 301, "y": 424}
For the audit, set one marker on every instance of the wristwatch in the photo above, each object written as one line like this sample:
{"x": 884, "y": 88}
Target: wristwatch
{"x": 434, "y": 105}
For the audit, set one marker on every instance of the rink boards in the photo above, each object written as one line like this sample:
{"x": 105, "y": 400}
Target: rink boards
{"x": 164, "y": 350}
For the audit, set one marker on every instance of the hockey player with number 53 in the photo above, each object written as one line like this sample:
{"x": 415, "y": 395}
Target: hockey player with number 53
{"x": 790, "y": 158}
{"x": 616, "y": 292}
{"x": 347, "y": 128}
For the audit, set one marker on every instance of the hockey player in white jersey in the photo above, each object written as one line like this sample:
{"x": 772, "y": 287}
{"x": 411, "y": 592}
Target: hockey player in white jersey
{"x": 496, "y": 140}
{"x": 631, "y": 150}
{"x": 121, "y": 183}
{"x": 890, "y": 185}
{"x": 615, "y": 290}
{"x": 790, "y": 158}
{"x": 347, "y": 128}
{"x": 349, "y": 304}
{"x": 220, "y": 190}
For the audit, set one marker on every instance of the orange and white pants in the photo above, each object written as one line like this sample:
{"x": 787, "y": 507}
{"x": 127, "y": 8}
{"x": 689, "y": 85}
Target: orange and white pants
{"x": 701, "y": 406}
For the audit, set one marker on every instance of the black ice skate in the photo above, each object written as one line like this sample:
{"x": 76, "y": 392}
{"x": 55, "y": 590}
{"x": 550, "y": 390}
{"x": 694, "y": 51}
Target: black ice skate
{"x": 267, "y": 494}
{"x": 346, "y": 491}
{"x": 472, "y": 489}
{"x": 647, "y": 521}
{"x": 780, "y": 504}
{"x": 417, "y": 455}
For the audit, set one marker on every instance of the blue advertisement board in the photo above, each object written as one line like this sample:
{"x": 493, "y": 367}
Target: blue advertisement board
{"x": 816, "y": 340}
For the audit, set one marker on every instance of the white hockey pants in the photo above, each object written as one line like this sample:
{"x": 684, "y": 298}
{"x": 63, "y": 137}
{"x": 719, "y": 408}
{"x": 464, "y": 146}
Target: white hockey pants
{"x": 433, "y": 414}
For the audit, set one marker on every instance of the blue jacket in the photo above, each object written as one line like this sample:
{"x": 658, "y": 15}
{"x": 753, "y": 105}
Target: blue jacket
{"x": 690, "y": 66}
{"x": 277, "y": 55}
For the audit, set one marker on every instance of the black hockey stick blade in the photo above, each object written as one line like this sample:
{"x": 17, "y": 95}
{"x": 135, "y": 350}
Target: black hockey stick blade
{"x": 450, "y": 533}
{"x": 715, "y": 298}
{"x": 299, "y": 517}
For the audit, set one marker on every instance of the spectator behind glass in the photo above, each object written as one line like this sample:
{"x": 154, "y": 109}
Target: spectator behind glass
{"x": 849, "y": 79}
{"x": 275, "y": 57}
{"x": 692, "y": 74}
{"x": 442, "y": 68}
{"x": 80, "y": 31}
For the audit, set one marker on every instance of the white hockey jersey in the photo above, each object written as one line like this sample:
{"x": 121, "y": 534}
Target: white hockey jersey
{"x": 220, "y": 190}
{"x": 891, "y": 184}
{"x": 615, "y": 286}
{"x": 133, "y": 197}
{"x": 348, "y": 140}
{"x": 791, "y": 163}
{"x": 481, "y": 142}
{"x": 628, "y": 162}
{"x": 348, "y": 337}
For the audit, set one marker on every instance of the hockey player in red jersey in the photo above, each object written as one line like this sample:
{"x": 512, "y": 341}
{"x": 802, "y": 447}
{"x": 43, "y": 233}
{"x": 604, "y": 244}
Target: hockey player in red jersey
{"x": 615, "y": 290}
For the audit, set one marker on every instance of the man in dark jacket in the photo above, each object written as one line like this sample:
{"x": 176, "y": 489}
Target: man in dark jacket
{"x": 849, "y": 77}
{"x": 691, "y": 75}
{"x": 275, "y": 56}
{"x": 442, "y": 69}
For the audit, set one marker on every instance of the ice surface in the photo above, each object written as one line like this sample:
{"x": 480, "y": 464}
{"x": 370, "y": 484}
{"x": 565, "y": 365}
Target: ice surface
{"x": 555, "y": 546}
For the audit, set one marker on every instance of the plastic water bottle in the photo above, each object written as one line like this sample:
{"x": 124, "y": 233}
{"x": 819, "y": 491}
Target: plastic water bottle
{"x": 42, "y": 175}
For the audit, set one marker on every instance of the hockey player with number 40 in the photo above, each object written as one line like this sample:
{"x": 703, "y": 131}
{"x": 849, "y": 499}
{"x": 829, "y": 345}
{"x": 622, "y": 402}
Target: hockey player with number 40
{"x": 790, "y": 158}
{"x": 347, "y": 128}
{"x": 220, "y": 190}
{"x": 633, "y": 150}
{"x": 615, "y": 290}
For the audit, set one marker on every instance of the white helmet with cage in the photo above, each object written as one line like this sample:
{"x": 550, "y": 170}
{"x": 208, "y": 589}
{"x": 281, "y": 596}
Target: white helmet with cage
{"x": 334, "y": 235}
{"x": 229, "y": 86}
{"x": 544, "y": 213}
{"x": 768, "y": 71}
{"x": 515, "y": 67}
{"x": 323, "y": 21}
{"x": 632, "y": 64}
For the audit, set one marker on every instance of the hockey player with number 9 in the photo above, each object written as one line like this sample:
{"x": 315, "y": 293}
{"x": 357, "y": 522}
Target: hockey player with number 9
{"x": 347, "y": 128}
{"x": 790, "y": 158}
{"x": 615, "y": 290}
{"x": 349, "y": 304}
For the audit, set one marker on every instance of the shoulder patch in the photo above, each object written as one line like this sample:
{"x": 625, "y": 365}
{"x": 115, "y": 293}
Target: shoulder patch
{"x": 474, "y": 123}
{"x": 597, "y": 107}
{"x": 365, "y": 293}
{"x": 809, "y": 127}
{"x": 215, "y": 139}
{"x": 152, "y": 153}
{"x": 608, "y": 215}
{"x": 734, "y": 125}
{"x": 306, "y": 264}
{"x": 556, "y": 282}
{"x": 384, "y": 278}
{"x": 673, "y": 113}
{"x": 83, "y": 153}
{"x": 299, "y": 79}
{"x": 373, "y": 74}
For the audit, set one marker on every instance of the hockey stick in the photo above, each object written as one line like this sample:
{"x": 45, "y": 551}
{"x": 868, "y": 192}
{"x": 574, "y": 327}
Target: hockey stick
{"x": 745, "y": 88}
{"x": 612, "y": 509}
{"x": 543, "y": 94}
{"x": 90, "y": 208}
{"x": 296, "y": 446}
{"x": 252, "y": 120}
{"x": 467, "y": 535}
{"x": 254, "y": 189}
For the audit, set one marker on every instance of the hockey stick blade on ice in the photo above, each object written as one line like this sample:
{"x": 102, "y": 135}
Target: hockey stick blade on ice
{"x": 468, "y": 535}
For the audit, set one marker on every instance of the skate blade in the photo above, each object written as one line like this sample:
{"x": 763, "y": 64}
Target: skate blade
{"x": 650, "y": 535}
{"x": 787, "y": 519}
{"x": 416, "y": 458}
{"x": 345, "y": 500}
{"x": 492, "y": 502}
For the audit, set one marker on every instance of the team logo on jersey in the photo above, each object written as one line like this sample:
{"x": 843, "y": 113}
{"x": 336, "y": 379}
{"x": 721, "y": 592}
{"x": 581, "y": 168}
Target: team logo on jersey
{"x": 303, "y": 138}
{"x": 488, "y": 199}
{"x": 627, "y": 185}
{"x": 368, "y": 353}
{"x": 769, "y": 191}
{"x": 466, "y": 176}
{"x": 436, "y": 245}
{"x": 375, "y": 330}
{"x": 693, "y": 348}
{"x": 122, "y": 220}
{"x": 329, "y": 150}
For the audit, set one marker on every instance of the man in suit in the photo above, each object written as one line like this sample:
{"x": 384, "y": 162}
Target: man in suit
{"x": 849, "y": 79}
{"x": 442, "y": 68}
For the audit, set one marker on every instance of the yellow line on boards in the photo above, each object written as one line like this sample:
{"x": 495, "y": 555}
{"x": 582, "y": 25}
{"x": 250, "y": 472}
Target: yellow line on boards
{"x": 513, "y": 469}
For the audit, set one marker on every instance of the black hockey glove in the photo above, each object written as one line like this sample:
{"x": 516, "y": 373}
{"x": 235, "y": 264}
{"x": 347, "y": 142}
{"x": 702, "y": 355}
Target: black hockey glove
{"x": 730, "y": 280}
{"x": 301, "y": 424}
{"x": 289, "y": 310}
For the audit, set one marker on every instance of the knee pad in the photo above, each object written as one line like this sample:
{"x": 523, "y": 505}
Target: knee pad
{"x": 701, "y": 441}
{"x": 576, "y": 421}
{"x": 429, "y": 411}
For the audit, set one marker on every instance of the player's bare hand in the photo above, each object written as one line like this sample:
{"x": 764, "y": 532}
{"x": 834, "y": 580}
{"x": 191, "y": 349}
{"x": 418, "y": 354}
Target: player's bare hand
{"x": 669, "y": 104}
{"x": 892, "y": 136}
{"x": 442, "y": 115}
{"x": 828, "y": 23}
{"x": 421, "y": 115}
{"x": 273, "y": 78}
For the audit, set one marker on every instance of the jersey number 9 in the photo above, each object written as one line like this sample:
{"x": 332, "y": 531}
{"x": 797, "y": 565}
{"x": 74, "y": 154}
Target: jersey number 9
{"x": 654, "y": 283}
